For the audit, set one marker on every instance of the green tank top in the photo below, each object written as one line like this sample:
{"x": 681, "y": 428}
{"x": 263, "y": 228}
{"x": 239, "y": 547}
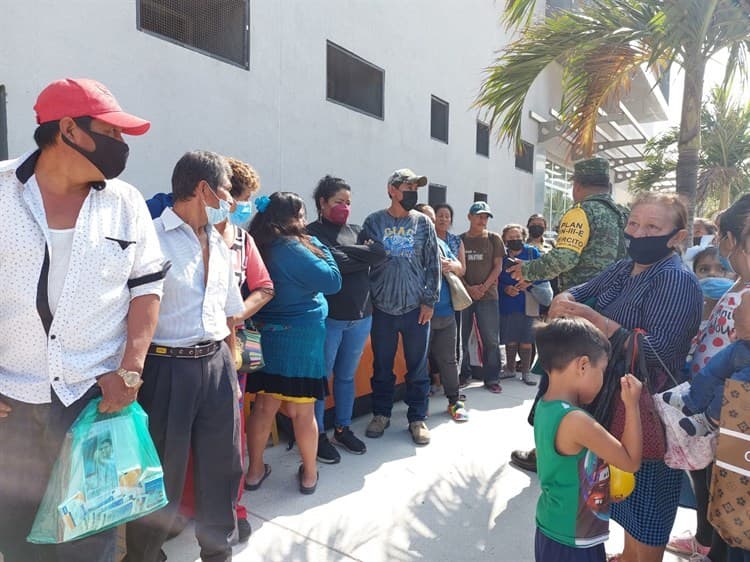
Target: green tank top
{"x": 573, "y": 508}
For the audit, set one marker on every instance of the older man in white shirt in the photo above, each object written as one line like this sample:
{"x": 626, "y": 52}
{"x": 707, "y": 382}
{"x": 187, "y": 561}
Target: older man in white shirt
{"x": 81, "y": 274}
{"x": 190, "y": 387}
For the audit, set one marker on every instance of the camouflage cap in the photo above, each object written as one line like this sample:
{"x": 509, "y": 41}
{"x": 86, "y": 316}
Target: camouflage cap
{"x": 480, "y": 208}
{"x": 594, "y": 171}
{"x": 405, "y": 175}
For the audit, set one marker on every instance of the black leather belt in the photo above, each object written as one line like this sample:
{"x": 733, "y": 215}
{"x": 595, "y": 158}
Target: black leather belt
{"x": 195, "y": 352}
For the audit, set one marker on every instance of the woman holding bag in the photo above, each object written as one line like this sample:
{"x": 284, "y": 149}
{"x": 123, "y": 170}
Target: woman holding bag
{"x": 654, "y": 292}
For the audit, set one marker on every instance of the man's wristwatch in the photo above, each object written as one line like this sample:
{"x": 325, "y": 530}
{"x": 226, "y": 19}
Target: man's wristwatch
{"x": 131, "y": 378}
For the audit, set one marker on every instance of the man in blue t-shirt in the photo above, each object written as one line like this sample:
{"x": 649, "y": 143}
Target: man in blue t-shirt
{"x": 405, "y": 288}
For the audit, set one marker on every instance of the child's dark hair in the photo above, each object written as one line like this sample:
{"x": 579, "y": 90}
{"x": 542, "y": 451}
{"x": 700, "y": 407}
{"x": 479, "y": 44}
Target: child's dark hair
{"x": 707, "y": 252}
{"x": 327, "y": 187}
{"x": 278, "y": 220}
{"x": 563, "y": 340}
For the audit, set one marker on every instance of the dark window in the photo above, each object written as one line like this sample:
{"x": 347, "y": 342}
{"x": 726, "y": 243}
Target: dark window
{"x": 3, "y": 126}
{"x": 483, "y": 139}
{"x": 480, "y": 196}
{"x": 437, "y": 194}
{"x": 353, "y": 82}
{"x": 525, "y": 157}
{"x": 439, "y": 120}
{"x": 219, "y": 28}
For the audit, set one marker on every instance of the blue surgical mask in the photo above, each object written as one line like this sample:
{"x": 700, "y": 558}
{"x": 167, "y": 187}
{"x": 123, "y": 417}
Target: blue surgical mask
{"x": 215, "y": 216}
{"x": 715, "y": 287}
{"x": 726, "y": 264}
{"x": 241, "y": 213}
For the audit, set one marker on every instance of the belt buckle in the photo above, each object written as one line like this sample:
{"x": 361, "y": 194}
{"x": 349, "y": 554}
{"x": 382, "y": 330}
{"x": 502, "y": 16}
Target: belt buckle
{"x": 159, "y": 350}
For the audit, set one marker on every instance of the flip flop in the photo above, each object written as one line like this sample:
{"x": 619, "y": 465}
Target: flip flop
{"x": 253, "y": 487}
{"x": 307, "y": 490}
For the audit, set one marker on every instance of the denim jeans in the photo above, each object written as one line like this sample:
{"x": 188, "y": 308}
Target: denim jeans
{"x": 488, "y": 321}
{"x": 384, "y": 339}
{"x": 345, "y": 340}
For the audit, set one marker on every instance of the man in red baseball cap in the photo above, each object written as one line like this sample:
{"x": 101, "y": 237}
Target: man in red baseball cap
{"x": 83, "y": 275}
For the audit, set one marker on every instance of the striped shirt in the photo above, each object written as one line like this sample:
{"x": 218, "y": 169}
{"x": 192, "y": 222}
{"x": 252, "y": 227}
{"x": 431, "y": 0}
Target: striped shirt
{"x": 665, "y": 301}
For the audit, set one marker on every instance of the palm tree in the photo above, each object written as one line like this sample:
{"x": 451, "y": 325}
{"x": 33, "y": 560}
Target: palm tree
{"x": 724, "y": 161}
{"x": 601, "y": 47}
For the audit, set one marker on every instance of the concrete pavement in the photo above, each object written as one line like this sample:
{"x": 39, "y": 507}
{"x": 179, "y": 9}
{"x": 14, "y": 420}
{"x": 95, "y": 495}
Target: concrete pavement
{"x": 456, "y": 499}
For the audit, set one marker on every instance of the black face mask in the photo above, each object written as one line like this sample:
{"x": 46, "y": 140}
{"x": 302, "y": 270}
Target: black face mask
{"x": 514, "y": 245}
{"x": 536, "y": 230}
{"x": 649, "y": 249}
{"x": 409, "y": 200}
{"x": 109, "y": 156}
{"x": 697, "y": 240}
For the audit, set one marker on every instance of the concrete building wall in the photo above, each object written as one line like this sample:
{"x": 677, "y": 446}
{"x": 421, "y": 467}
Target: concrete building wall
{"x": 275, "y": 115}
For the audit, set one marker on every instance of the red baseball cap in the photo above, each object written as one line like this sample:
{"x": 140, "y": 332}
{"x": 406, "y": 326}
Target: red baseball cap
{"x": 82, "y": 97}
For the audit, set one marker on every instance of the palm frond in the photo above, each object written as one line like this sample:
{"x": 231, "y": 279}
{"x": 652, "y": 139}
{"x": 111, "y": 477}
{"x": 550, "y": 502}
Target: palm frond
{"x": 518, "y": 12}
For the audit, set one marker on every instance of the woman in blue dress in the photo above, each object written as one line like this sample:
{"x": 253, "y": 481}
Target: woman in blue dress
{"x": 292, "y": 327}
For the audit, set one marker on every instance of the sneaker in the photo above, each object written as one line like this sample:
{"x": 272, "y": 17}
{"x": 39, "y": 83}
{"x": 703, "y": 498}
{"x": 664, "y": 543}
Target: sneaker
{"x": 507, "y": 375}
{"x": 435, "y": 389}
{"x": 343, "y": 436}
{"x": 458, "y": 412}
{"x": 686, "y": 544}
{"x": 528, "y": 379}
{"x": 327, "y": 453}
{"x": 419, "y": 432}
{"x": 377, "y": 426}
{"x": 524, "y": 459}
{"x": 494, "y": 387}
{"x": 463, "y": 382}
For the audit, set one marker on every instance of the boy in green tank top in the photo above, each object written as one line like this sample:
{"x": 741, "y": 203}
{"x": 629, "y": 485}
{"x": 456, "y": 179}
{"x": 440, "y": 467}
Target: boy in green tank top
{"x": 573, "y": 450}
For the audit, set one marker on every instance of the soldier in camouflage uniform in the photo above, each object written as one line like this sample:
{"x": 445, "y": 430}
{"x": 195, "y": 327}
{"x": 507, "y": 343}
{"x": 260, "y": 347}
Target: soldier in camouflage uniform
{"x": 591, "y": 237}
{"x": 591, "y": 234}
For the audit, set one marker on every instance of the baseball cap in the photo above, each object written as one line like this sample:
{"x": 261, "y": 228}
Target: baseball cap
{"x": 594, "y": 171}
{"x": 405, "y": 175}
{"x": 81, "y": 97}
{"x": 479, "y": 208}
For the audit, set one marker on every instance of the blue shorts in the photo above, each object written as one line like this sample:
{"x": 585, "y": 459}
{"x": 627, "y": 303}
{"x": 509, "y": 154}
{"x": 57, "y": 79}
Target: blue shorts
{"x": 547, "y": 550}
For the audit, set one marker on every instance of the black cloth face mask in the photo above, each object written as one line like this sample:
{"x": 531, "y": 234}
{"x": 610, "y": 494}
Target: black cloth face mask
{"x": 536, "y": 230}
{"x": 649, "y": 249}
{"x": 409, "y": 200}
{"x": 514, "y": 245}
{"x": 109, "y": 156}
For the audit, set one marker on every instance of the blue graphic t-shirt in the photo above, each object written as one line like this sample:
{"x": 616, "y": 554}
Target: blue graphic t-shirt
{"x": 410, "y": 276}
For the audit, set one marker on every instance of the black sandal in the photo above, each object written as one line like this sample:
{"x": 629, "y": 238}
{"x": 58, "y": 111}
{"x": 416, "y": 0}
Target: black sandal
{"x": 307, "y": 490}
{"x": 253, "y": 487}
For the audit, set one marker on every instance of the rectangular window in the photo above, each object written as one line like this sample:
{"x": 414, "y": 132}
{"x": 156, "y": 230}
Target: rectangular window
{"x": 3, "y": 125}
{"x": 478, "y": 196}
{"x": 220, "y": 29}
{"x": 354, "y": 82}
{"x": 439, "y": 119}
{"x": 437, "y": 194}
{"x": 557, "y": 192}
{"x": 483, "y": 139}
{"x": 525, "y": 158}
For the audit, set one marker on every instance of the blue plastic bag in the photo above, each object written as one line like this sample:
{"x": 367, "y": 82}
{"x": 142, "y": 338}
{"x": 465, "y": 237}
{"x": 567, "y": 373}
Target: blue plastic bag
{"x": 108, "y": 473}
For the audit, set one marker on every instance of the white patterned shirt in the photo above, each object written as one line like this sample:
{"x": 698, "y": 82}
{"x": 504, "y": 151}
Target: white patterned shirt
{"x": 193, "y": 310}
{"x": 115, "y": 258}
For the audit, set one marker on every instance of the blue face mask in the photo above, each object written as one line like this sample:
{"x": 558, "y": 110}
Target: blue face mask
{"x": 215, "y": 216}
{"x": 726, "y": 264}
{"x": 715, "y": 287}
{"x": 242, "y": 213}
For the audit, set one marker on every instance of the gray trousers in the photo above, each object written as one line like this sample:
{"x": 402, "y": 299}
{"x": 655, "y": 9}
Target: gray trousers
{"x": 192, "y": 402}
{"x": 443, "y": 353}
{"x": 30, "y": 441}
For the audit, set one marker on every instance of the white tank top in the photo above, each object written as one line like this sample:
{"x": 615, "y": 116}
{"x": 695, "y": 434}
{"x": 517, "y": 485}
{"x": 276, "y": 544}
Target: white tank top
{"x": 59, "y": 260}
{"x": 718, "y": 332}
